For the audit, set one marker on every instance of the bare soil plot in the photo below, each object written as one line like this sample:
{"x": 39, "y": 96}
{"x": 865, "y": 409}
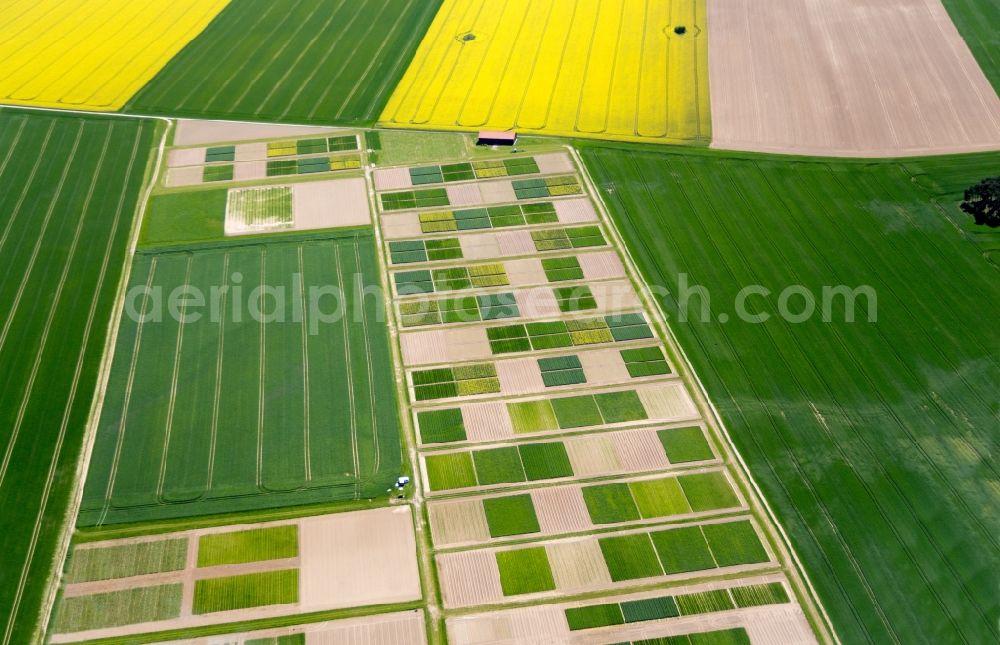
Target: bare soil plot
{"x": 329, "y": 204}
{"x": 184, "y": 176}
{"x": 554, "y": 162}
{"x": 360, "y": 558}
{"x": 192, "y": 132}
{"x": 574, "y": 211}
{"x": 843, "y": 77}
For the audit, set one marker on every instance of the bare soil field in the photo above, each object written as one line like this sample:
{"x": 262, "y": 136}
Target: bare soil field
{"x": 195, "y": 132}
{"x": 843, "y": 77}
{"x": 361, "y": 558}
{"x": 329, "y": 204}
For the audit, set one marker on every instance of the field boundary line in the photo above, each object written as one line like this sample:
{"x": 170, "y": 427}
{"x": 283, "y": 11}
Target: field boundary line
{"x": 175, "y": 373}
{"x": 360, "y": 288}
{"x": 702, "y": 394}
{"x": 307, "y": 448}
{"x": 104, "y": 372}
{"x": 217, "y": 394}
{"x": 421, "y": 525}
{"x": 262, "y": 374}
{"x": 350, "y": 380}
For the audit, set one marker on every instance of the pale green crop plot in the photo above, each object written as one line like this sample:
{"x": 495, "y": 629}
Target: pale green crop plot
{"x": 241, "y": 411}
{"x": 252, "y": 545}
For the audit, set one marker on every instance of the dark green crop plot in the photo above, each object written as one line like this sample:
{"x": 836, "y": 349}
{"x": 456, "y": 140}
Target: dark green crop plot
{"x": 300, "y": 61}
{"x": 524, "y": 571}
{"x": 630, "y": 557}
{"x": 68, "y": 192}
{"x": 683, "y": 549}
{"x": 685, "y": 444}
{"x": 592, "y": 616}
{"x": 545, "y": 460}
{"x": 610, "y": 503}
{"x": 734, "y": 543}
{"x": 256, "y": 405}
{"x": 498, "y": 465}
{"x": 708, "y": 491}
{"x": 441, "y": 426}
{"x": 872, "y": 439}
{"x": 513, "y": 515}
{"x": 193, "y": 216}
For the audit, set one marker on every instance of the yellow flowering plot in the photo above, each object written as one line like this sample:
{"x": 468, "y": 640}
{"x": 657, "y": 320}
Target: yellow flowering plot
{"x": 91, "y": 54}
{"x": 633, "y": 70}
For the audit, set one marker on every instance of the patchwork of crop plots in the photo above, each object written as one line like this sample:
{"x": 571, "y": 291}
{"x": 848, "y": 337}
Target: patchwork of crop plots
{"x": 260, "y": 160}
{"x": 70, "y": 187}
{"x": 547, "y": 411}
{"x": 92, "y": 54}
{"x": 228, "y": 574}
{"x": 300, "y": 61}
{"x": 885, "y": 429}
{"x": 211, "y": 190}
{"x": 627, "y": 70}
{"x": 749, "y": 611}
{"x": 263, "y": 403}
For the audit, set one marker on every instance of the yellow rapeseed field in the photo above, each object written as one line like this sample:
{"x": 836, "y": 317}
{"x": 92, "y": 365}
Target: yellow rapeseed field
{"x": 91, "y": 54}
{"x": 609, "y": 69}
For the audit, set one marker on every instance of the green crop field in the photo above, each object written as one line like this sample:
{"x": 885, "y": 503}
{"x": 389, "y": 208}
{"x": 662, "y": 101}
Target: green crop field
{"x": 300, "y": 61}
{"x": 68, "y": 193}
{"x": 874, "y": 441}
{"x": 256, "y": 405}
{"x": 253, "y": 545}
{"x": 973, "y": 19}
{"x": 114, "y": 608}
{"x": 126, "y": 560}
{"x": 245, "y": 591}
{"x": 512, "y": 515}
{"x": 184, "y": 217}
{"x": 524, "y": 571}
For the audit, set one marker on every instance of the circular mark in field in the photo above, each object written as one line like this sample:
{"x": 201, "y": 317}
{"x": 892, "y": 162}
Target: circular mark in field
{"x": 723, "y": 318}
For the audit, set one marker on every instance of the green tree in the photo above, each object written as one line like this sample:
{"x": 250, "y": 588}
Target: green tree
{"x": 982, "y": 201}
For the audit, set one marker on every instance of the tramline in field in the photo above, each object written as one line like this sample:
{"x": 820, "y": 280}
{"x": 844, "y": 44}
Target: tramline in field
{"x": 247, "y": 410}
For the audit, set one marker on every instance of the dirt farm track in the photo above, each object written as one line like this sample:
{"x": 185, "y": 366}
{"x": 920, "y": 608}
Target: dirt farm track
{"x": 846, "y": 78}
